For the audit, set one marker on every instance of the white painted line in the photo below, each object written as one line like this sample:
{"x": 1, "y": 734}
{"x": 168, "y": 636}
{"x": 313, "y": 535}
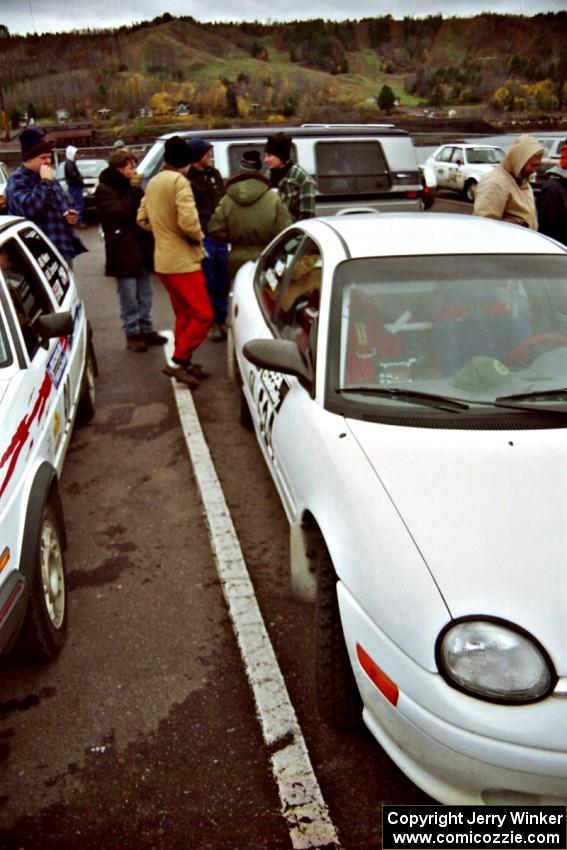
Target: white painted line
{"x": 303, "y": 806}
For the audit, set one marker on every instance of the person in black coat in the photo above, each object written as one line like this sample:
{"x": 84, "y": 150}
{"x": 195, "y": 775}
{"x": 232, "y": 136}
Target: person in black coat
{"x": 129, "y": 249}
{"x": 552, "y": 201}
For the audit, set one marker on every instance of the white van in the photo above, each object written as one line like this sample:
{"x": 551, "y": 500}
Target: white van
{"x": 368, "y": 166}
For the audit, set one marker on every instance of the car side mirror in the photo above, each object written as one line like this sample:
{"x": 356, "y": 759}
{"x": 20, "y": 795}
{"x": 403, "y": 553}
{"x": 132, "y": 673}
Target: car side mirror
{"x": 53, "y": 325}
{"x": 279, "y": 355}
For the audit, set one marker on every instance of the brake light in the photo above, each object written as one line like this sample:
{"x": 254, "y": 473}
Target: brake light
{"x": 385, "y": 685}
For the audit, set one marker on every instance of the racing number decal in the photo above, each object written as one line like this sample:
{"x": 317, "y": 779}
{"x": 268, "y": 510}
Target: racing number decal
{"x": 271, "y": 391}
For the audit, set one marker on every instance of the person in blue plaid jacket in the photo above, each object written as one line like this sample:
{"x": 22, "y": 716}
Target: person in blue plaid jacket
{"x": 33, "y": 193}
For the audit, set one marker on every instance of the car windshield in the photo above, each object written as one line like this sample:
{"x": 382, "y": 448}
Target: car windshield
{"x": 484, "y": 156}
{"x": 475, "y": 329}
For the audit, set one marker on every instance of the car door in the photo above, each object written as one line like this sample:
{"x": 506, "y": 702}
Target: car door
{"x": 56, "y": 277}
{"x": 45, "y": 374}
{"x": 443, "y": 166}
{"x": 286, "y": 284}
{"x": 455, "y": 169}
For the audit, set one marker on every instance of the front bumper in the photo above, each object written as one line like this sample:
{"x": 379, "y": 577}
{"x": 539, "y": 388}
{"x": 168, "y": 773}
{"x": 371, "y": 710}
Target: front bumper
{"x": 458, "y": 749}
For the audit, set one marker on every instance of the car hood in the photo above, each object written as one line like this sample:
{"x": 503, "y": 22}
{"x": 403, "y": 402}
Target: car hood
{"x": 488, "y": 512}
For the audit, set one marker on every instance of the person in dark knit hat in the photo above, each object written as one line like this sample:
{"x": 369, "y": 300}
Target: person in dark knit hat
{"x": 250, "y": 215}
{"x": 297, "y": 189}
{"x": 208, "y": 189}
{"x": 168, "y": 209}
{"x": 33, "y": 192}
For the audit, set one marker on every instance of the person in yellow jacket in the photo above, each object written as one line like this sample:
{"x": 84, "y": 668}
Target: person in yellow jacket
{"x": 168, "y": 209}
{"x": 505, "y": 193}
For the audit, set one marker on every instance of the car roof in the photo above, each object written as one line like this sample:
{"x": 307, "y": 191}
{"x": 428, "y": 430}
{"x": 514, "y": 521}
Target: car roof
{"x": 417, "y": 234}
{"x": 307, "y": 131}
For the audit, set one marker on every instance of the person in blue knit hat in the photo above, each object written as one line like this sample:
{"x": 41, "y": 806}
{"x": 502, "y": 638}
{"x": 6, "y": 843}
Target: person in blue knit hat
{"x": 33, "y": 192}
{"x": 208, "y": 189}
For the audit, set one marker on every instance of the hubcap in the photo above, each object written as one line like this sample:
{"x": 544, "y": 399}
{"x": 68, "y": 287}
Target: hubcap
{"x": 52, "y": 576}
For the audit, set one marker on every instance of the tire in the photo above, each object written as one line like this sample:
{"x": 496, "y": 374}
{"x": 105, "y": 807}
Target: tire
{"x": 338, "y": 700}
{"x": 45, "y": 625}
{"x": 87, "y": 399}
{"x": 470, "y": 190}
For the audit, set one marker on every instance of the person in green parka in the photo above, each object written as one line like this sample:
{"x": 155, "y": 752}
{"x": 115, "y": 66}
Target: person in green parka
{"x": 249, "y": 215}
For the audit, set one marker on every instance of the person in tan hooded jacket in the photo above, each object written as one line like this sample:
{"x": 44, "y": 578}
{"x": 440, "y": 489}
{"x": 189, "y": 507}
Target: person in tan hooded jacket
{"x": 168, "y": 209}
{"x": 505, "y": 193}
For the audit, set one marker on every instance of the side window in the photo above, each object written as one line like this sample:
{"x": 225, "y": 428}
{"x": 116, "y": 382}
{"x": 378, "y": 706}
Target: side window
{"x": 236, "y": 150}
{"x": 446, "y": 154}
{"x": 27, "y": 291}
{"x": 54, "y": 270}
{"x": 346, "y": 168}
{"x": 272, "y": 272}
{"x": 5, "y": 355}
{"x": 298, "y": 301}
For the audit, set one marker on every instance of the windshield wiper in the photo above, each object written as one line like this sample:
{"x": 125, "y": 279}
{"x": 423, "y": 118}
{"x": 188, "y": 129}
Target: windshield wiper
{"x": 510, "y": 401}
{"x": 558, "y": 392}
{"x": 428, "y": 399}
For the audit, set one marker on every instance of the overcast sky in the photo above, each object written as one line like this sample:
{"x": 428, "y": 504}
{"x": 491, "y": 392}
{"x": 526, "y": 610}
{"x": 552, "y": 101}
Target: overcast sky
{"x": 29, "y": 16}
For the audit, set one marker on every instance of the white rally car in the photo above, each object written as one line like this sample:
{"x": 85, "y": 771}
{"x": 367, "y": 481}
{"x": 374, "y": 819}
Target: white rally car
{"x": 406, "y": 376}
{"x": 47, "y": 372}
{"x": 461, "y": 166}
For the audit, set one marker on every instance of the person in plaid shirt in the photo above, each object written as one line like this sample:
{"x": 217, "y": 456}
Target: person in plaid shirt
{"x": 297, "y": 189}
{"x": 33, "y": 193}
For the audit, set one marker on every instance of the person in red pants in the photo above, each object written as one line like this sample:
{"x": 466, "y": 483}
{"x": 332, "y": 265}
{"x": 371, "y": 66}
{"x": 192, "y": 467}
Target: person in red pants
{"x": 168, "y": 209}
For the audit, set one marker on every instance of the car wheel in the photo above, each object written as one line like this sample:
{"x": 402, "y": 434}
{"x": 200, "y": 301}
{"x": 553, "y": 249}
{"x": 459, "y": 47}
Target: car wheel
{"x": 45, "y": 625}
{"x": 86, "y": 408}
{"x": 338, "y": 699}
{"x": 470, "y": 190}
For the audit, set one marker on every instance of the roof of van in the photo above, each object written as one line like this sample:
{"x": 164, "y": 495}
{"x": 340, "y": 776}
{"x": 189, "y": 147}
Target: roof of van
{"x": 319, "y": 130}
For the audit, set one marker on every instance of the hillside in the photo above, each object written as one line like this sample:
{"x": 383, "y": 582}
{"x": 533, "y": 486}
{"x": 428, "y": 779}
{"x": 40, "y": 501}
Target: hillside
{"x": 305, "y": 70}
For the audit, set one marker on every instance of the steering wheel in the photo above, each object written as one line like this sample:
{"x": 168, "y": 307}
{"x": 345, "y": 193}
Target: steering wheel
{"x": 522, "y": 347}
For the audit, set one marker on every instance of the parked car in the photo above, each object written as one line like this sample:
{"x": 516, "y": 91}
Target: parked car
{"x": 90, "y": 171}
{"x": 354, "y": 165}
{"x": 405, "y": 376}
{"x": 551, "y": 158}
{"x": 47, "y": 379}
{"x": 4, "y": 174}
{"x": 461, "y": 166}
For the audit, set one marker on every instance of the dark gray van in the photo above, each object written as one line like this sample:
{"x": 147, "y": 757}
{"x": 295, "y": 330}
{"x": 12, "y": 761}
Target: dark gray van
{"x": 366, "y": 166}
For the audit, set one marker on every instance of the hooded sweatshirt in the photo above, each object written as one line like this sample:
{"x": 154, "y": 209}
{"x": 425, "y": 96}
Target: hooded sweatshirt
{"x": 72, "y": 174}
{"x": 504, "y": 193}
{"x": 249, "y": 216}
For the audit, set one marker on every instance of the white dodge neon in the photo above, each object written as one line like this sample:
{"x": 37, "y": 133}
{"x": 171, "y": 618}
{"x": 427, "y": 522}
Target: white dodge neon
{"x": 47, "y": 371}
{"x": 406, "y": 376}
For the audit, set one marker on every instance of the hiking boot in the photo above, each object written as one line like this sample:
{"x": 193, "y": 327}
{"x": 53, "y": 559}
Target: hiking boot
{"x": 135, "y": 342}
{"x": 153, "y": 338}
{"x": 181, "y": 374}
{"x": 217, "y": 333}
{"x": 198, "y": 371}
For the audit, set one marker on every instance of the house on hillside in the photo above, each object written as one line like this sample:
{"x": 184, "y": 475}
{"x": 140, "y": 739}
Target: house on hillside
{"x": 182, "y": 108}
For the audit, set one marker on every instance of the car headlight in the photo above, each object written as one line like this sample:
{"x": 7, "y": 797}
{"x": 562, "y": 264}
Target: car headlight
{"x": 495, "y": 661}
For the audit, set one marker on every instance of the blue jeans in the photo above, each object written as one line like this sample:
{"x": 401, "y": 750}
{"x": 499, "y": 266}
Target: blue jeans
{"x": 135, "y": 298}
{"x": 76, "y": 193}
{"x": 215, "y": 269}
